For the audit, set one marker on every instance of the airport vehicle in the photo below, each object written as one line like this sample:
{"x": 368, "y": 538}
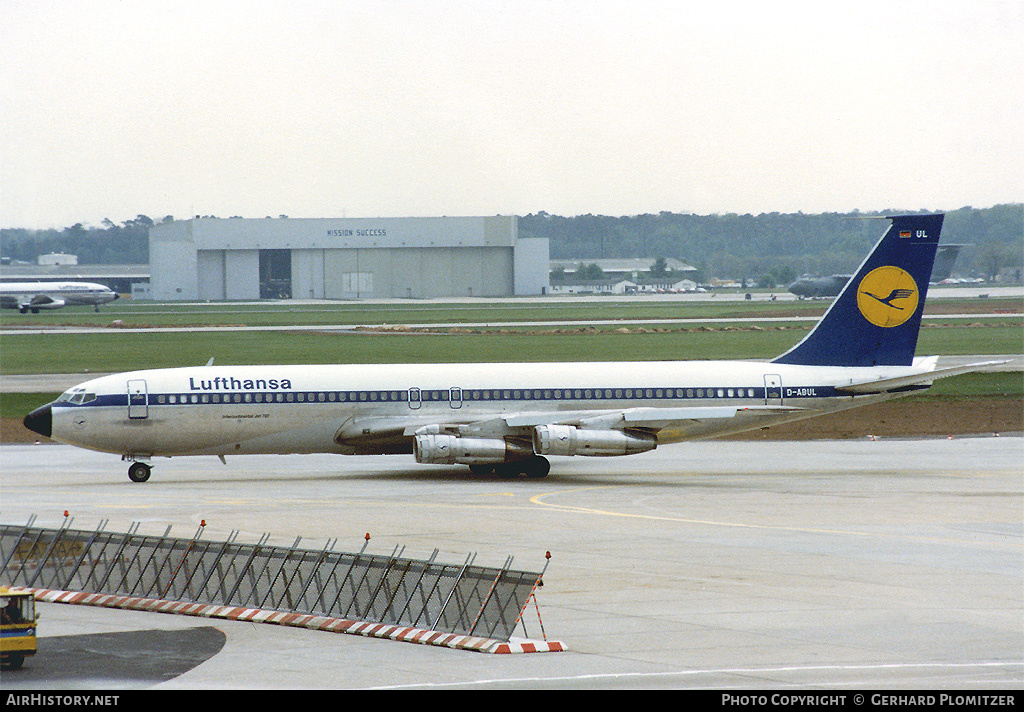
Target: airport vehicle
{"x": 34, "y": 296}
{"x": 17, "y": 627}
{"x": 508, "y": 418}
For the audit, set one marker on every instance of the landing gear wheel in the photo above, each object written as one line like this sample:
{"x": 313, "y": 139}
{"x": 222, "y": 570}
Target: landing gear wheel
{"x": 536, "y": 467}
{"x": 139, "y": 472}
{"x": 13, "y": 661}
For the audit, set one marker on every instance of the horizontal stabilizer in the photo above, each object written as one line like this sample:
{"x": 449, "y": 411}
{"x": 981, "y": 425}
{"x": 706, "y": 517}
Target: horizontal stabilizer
{"x": 889, "y": 384}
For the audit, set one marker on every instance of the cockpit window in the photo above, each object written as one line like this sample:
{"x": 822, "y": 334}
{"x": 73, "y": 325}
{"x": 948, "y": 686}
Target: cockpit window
{"x": 76, "y": 395}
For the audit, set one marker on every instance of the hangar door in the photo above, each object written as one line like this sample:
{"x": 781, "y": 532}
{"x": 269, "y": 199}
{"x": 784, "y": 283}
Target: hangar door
{"x": 275, "y": 274}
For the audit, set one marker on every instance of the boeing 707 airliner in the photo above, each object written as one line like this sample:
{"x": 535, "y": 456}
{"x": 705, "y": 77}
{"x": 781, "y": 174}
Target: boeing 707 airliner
{"x": 509, "y": 418}
{"x": 32, "y": 296}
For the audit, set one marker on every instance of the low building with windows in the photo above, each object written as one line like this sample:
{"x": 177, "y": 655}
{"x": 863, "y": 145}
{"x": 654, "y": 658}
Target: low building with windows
{"x": 345, "y": 258}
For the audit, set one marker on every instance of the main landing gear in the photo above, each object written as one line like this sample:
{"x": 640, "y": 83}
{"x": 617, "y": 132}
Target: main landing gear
{"x": 139, "y": 471}
{"x": 533, "y": 467}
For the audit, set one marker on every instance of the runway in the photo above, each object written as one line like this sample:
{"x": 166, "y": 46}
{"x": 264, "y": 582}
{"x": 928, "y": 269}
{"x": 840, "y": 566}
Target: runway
{"x": 723, "y": 565}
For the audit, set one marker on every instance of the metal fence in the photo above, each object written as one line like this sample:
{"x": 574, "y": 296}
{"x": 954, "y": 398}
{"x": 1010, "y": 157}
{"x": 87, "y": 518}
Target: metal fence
{"x": 420, "y": 593}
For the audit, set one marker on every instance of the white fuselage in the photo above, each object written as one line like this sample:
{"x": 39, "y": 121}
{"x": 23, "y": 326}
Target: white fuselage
{"x": 214, "y": 410}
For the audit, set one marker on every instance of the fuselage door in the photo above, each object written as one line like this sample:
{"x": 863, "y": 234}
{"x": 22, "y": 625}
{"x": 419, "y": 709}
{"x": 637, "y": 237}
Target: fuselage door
{"x": 772, "y": 389}
{"x": 138, "y": 399}
{"x": 415, "y": 399}
{"x": 455, "y": 397}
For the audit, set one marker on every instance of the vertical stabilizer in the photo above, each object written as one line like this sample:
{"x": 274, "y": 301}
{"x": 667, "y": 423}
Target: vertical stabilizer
{"x": 876, "y": 318}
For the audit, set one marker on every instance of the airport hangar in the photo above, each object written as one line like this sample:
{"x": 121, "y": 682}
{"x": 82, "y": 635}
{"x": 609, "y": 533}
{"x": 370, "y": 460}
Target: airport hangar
{"x": 345, "y": 258}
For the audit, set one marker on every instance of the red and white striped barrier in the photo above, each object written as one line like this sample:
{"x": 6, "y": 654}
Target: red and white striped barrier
{"x": 302, "y": 620}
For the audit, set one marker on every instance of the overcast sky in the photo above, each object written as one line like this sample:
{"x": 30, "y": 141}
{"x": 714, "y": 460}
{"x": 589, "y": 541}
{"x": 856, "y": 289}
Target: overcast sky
{"x": 365, "y": 108}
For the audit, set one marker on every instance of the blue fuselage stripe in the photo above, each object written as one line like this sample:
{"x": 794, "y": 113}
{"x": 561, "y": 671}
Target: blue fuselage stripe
{"x": 466, "y": 395}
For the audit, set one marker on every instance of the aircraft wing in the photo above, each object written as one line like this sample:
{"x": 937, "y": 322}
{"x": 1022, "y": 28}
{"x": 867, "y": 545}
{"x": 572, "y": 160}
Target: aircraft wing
{"x": 650, "y": 418}
{"x": 41, "y": 301}
{"x": 891, "y": 384}
{"x": 376, "y": 433}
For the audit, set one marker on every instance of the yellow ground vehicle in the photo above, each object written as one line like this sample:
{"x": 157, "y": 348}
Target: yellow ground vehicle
{"x": 18, "y": 627}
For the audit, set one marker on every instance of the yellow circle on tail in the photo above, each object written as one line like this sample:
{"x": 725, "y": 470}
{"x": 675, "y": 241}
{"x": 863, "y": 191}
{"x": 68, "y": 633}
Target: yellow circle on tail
{"x": 887, "y": 296}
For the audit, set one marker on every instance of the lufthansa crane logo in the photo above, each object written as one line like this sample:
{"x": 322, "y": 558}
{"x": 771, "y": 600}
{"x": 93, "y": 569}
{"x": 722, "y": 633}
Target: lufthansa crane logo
{"x": 887, "y": 296}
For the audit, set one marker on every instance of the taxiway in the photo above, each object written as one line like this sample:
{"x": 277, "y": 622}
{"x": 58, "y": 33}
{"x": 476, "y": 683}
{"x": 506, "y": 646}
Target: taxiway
{"x": 733, "y": 565}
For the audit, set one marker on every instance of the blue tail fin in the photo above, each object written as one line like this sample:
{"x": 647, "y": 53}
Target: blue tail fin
{"x": 875, "y": 319}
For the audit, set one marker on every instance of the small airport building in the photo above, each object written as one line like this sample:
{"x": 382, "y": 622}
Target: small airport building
{"x": 345, "y": 258}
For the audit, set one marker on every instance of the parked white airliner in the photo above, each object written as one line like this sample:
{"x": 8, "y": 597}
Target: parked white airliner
{"x": 33, "y": 296}
{"x": 509, "y": 417}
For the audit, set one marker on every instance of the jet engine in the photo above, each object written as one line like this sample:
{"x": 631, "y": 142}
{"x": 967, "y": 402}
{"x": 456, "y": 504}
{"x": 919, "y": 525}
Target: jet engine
{"x": 443, "y": 449}
{"x": 569, "y": 440}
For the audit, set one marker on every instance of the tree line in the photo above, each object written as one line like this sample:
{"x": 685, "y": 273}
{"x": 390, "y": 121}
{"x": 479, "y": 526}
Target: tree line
{"x": 106, "y": 244}
{"x": 779, "y": 245}
{"x": 725, "y": 246}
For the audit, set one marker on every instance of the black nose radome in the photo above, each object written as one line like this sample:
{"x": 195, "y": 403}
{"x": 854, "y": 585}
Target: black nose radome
{"x": 40, "y": 421}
